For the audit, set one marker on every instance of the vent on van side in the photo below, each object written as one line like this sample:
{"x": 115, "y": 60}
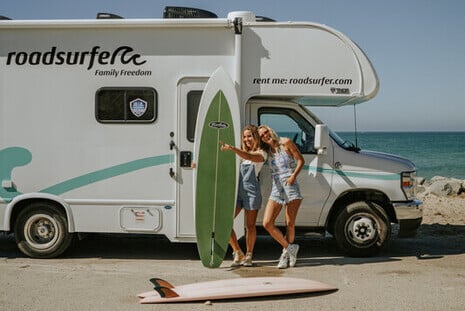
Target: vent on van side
{"x": 184, "y": 12}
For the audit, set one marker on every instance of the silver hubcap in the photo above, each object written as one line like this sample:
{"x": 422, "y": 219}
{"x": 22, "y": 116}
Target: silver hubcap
{"x": 362, "y": 229}
{"x": 41, "y": 231}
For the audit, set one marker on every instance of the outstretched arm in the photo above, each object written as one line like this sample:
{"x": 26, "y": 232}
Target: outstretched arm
{"x": 252, "y": 156}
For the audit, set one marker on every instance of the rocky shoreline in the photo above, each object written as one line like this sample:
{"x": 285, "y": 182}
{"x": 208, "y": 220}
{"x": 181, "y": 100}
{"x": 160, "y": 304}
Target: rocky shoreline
{"x": 441, "y": 186}
{"x": 443, "y": 204}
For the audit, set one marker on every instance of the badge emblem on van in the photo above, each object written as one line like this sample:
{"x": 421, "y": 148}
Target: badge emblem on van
{"x": 138, "y": 107}
{"x": 218, "y": 125}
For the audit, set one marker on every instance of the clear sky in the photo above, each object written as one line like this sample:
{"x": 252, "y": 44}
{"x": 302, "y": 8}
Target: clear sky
{"x": 416, "y": 46}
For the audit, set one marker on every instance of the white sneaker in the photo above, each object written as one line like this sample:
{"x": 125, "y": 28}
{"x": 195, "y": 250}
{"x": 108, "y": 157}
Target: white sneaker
{"x": 238, "y": 259}
{"x": 248, "y": 260}
{"x": 283, "y": 260}
{"x": 292, "y": 249}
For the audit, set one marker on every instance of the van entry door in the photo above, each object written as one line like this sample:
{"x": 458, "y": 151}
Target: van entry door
{"x": 189, "y": 94}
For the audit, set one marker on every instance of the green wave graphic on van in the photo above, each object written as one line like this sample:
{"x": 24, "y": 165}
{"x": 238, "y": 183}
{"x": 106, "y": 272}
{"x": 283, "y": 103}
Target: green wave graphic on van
{"x": 378, "y": 176}
{"x": 107, "y": 173}
{"x": 9, "y": 159}
{"x": 16, "y": 156}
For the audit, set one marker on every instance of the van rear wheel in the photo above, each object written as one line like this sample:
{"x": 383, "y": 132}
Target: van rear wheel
{"x": 362, "y": 229}
{"x": 41, "y": 231}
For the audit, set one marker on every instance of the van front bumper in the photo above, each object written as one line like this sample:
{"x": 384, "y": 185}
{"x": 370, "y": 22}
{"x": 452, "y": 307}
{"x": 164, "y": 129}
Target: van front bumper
{"x": 409, "y": 216}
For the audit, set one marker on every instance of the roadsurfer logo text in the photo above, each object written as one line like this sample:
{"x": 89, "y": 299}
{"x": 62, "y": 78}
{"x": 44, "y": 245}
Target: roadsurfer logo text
{"x": 218, "y": 125}
{"x": 123, "y": 54}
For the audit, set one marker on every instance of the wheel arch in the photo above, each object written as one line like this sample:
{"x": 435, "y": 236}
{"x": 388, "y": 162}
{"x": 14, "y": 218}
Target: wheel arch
{"x": 22, "y": 201}
{"x": 352, "y": 196}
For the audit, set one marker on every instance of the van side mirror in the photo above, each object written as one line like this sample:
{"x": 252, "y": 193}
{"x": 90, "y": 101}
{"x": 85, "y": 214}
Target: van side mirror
{"x": 321, "y": 138}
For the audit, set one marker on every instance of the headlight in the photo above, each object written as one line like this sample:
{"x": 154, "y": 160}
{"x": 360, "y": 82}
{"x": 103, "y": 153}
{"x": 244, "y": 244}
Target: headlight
{"x": 409, "y": 184}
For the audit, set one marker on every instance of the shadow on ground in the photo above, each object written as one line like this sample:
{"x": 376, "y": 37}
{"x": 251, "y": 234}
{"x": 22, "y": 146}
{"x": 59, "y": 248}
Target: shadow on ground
{"x": 432, "y": 241}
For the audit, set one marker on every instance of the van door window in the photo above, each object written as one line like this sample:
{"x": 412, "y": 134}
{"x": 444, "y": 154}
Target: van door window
{"x": 289, "y": 123}
{"x": 193, "y": 102}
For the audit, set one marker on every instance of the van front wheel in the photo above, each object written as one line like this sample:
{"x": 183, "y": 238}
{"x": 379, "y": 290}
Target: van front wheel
{"x": 41, "y": 231}
{"x": 362, "y": 229}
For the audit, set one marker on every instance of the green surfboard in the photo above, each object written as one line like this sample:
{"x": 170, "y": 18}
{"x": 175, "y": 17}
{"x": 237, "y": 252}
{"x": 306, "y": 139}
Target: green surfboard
{"x": 216, "y": 175}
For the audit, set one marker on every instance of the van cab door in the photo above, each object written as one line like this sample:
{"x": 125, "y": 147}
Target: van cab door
{"x": 295, "y": 122}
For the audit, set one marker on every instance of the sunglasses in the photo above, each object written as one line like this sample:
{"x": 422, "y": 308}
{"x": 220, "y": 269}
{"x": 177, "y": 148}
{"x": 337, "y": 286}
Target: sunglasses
{"x": 265, "y": 132}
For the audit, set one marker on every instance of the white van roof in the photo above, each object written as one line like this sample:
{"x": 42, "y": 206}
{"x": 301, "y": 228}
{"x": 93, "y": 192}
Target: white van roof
{"x": 309, "y": 63}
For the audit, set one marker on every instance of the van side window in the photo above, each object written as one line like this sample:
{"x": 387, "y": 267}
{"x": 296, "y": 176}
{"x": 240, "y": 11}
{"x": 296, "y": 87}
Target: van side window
{"x": 289, "y": 123}
{"x": 193, "y": 102}
{"x": 126, "y": 105}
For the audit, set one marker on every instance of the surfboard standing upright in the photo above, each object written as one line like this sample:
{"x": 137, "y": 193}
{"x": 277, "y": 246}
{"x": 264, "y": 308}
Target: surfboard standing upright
{"x": 216, "y": 172}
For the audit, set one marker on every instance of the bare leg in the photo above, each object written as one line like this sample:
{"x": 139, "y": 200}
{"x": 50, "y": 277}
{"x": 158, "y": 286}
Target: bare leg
{"x": 251, "y": 234}
{"x": 291, "y": 215}
{"x": 233, "y": 238}
{"x": 271, "y": 213}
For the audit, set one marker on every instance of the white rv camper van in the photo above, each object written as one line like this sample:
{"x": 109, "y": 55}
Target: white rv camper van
{"x": 97, "y": 122}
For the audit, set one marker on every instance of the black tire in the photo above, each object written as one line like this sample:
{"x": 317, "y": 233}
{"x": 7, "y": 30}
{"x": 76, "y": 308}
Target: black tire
{"x": 362, "y": 229}
{"x": 41, "y": 231}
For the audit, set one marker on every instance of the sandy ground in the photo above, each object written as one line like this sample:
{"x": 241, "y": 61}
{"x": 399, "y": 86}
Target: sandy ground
{"x": 105, "y": 273}
{"x": 443, "y": 210}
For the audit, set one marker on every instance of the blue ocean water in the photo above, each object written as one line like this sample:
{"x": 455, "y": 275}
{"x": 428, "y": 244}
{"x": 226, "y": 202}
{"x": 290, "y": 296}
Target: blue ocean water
{"x": 434, "y": 153}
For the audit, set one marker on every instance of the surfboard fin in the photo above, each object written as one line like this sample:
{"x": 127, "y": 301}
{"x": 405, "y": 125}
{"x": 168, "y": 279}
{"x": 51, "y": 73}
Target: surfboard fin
{"x": 165, "y": 292}
{"x": 160, "y": 283}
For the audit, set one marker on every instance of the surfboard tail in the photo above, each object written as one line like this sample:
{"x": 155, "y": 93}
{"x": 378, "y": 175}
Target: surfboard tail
{"x": 163, "y": 288}
{"x": 165, "y": 292}
{"x": 212, "y": 249}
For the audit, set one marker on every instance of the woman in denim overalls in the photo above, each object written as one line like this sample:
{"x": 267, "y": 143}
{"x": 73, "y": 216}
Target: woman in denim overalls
{"x": 286, "y": 162}
{"x": 249, "y": 196}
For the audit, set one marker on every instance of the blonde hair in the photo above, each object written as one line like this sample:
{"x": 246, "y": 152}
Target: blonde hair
{"x": 256, "y": 144}
{"x": 273, "y": 135}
